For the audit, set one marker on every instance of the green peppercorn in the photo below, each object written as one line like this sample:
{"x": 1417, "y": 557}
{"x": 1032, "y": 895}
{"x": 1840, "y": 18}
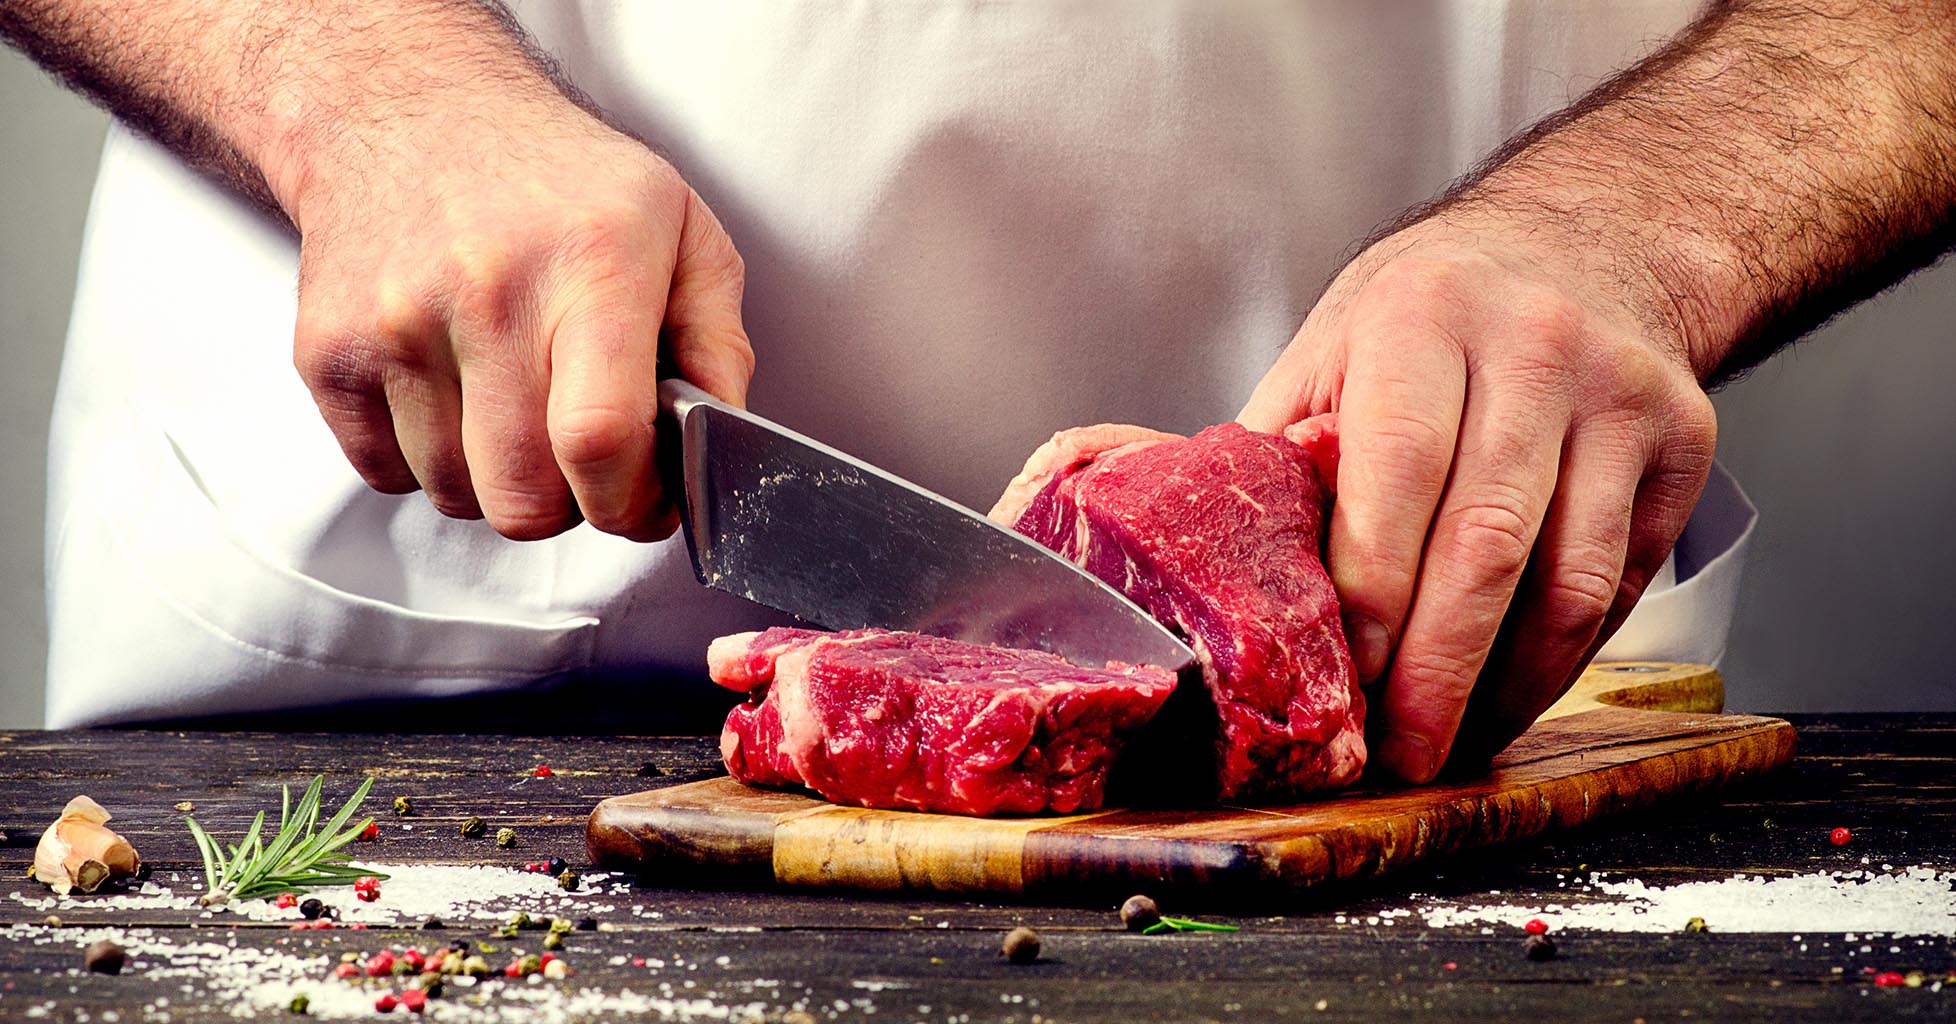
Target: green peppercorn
{"x": 474, "y": 828}
{"x": 431, "y": 984}
{"x": 519, "y": 920}
{"x": 505, "y": 837}
{"x": 507, "y": 931}
{"x": 475, "y": 967}
{"x": 1697, "y": 924}
{"x": 568, "y": 880}
{"x": 554, "y": 940}
{"x": 299, "y": 1003}
{"x": 530, "y": 964}
{"x": 403, "y": 806}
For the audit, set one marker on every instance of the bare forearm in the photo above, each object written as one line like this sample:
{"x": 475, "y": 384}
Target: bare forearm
{"x": 1778, "y": 162}
{"x": 267, "y": 94}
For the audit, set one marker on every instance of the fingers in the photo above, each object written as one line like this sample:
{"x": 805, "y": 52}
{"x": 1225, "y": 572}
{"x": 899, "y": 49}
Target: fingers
{"x": 602, "y": 408}
{"x": 706, "y": 340}
{"x": 504, "y": 436}
{"x": 1398, "y": 419}
{"x": 1570, "y": 587}
{"x": 1505, "y": 468}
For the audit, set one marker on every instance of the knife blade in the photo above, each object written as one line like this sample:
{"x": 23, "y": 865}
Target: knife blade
{"x": 784, "y": 520}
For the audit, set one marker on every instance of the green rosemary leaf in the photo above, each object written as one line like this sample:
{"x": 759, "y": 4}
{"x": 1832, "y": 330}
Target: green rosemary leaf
{"x": 1183, "y": 924}
{"x": 299, "y": 855}
{"x": 1157, "y": 928}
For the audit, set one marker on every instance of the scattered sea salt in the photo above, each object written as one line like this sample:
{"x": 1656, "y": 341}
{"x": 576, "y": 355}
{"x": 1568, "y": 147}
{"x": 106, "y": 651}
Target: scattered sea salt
{"x": 1910, "y": 901}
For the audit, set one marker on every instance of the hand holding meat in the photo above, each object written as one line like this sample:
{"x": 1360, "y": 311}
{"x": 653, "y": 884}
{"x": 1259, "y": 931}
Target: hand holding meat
{"x": 482, "y": 302}
{"x": 1520, "y": 448}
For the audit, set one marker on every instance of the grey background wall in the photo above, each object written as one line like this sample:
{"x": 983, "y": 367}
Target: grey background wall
{"x": 1847, "y": 443}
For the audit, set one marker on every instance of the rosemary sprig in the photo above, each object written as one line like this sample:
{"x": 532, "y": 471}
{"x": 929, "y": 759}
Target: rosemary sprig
{"x": 299, "y": 855}
{"x": 1183, "y": 924}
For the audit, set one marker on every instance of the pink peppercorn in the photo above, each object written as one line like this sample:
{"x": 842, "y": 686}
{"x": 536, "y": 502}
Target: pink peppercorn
{"x": 413, "y": 1000}
{"x": 380, "y": 963}
{"x": 1536, "y": 926}
{"x": 1451, "y": 966}
{"x": 370, "y": 833}
{"x": 286, "y": 901}
{"x": 1840, "y": 837}
{"x": 386, "y": 1002}
{"x": 414, "y": 959}
{"x": 542, "y": 771}
{"x": 346, "y": 971}
{"x": 1890, "y": 979}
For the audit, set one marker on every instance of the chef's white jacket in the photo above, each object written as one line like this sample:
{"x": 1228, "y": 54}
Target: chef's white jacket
{"x": 965, "y": 226}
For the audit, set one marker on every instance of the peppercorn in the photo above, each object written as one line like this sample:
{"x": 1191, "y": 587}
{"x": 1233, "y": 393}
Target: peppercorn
{"x": 105, "y": 957}
{"x": 560, "y": 925}
{"x": 587, "y": 924}
{"x": 1697, "y": 925}
{"x": 1914, "y": 979}
{"x": 648, "y": 770}
{"x": 554, "y": 940}
{"x": 474, "y": 828}
{"x": 1890, "y": 979}
{"x": 1840, "y": 837}
{"x": 413, "y": 1000}
{"x": 286, "y": 901}
{"x": 505, "y": 837}
{"x": 413, "y": 959}
{"x": 431, "y": 984}
{"x": 370, "y": 833}
{"x": 507, "y": 931}
{"x": 542, "y": 771}
{"x": 568, "y": 880}
{"x": 1139, "y": 912}
{"x": 460, "y": 946}
{"x": 475, "y": 967}
{"x": 519, "y": 920}
{"x": 556, "y": 970}
{"x": 310, "y": 908}
{"x": 403, "y": 806}
{"x": 432, "y": 924}
{"x": 1021, "y": 946}
{"x": 1538, "y": 947}
{"x": 346, "y": 971}
{"x": 380, "y": 963}
{"x": 1536, "y": 926}
{"x": 299, "y": 1003}
{"x": 529, "y": 964}
{"x": 386, "y": 1002}
{"x": 52, "y": 920}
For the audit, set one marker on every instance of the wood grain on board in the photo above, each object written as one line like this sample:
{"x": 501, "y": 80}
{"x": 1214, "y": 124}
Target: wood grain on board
{"x": 1626, "y": 737}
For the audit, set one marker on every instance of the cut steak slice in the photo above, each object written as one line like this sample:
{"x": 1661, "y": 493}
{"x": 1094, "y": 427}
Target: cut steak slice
{"x": 901, "y": 720}
{"x": 1220, "y": 537}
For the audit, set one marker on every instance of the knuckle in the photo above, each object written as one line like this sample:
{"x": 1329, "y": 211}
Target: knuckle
{"x": 529, "y": 517}
{"x": 1437, "y": 679}
{"x": 1491, "y": 536}
{"x": 1578, "y": 597}
{"x": 594, "y": 436}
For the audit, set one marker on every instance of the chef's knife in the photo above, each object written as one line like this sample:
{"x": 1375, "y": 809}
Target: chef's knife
{"x": 789, "y": 522}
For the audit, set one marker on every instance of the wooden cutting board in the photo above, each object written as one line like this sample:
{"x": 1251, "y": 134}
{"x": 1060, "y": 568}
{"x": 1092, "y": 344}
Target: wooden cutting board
{"x": 1627, "y": 736}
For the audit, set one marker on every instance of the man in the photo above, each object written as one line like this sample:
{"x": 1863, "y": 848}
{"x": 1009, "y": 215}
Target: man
{"x": 956, "y": 229}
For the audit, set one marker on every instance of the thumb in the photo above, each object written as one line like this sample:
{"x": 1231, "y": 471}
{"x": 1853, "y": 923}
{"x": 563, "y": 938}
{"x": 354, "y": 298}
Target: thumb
{"x": 705, "y": 339}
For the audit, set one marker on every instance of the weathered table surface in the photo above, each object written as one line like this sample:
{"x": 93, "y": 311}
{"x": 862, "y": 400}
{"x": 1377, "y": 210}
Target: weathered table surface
{"x": 1891, "y": 779}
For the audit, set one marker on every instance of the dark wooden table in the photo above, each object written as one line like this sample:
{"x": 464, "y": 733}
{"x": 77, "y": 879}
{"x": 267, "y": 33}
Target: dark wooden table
{"x": 1891, "y": 779}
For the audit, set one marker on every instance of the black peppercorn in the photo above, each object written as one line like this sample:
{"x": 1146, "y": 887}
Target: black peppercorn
{"x": 432, "y": 924}
{"x": 459, "y": 945}
{"x": 558, "y": 865}
{"x": 587, "y": 924}
{"x": 310, "y": 909}
{"x": 1538, "y": 947}
{"x": 1139, "y": 912}
{"x": 1021, "y": 946}
{"x": 105, "y": 957}
{"x": 474, "y": 828}
{"x": 648, "y": 770}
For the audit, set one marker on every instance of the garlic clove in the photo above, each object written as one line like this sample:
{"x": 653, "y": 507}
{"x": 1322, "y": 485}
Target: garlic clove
{"x": 79, "y": 851}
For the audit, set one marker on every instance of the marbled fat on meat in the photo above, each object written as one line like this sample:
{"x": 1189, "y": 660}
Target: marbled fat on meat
{"x": 1219, "y": 536}
{"x": 899, "y": 720}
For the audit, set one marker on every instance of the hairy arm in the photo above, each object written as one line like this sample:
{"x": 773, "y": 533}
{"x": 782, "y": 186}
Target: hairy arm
{"x": 1776, "y": 163}
{"x": 489, "y": 277}
{"x": 1519, "y": 365}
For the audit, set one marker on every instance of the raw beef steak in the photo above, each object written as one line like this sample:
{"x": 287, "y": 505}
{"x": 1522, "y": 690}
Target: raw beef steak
{"x": 887, "y": 719}
{"x": 1219, "y": 536}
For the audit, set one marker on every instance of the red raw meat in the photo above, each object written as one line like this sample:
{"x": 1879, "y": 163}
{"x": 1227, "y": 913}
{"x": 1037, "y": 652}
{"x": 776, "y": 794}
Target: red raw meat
{"x": 901, "y": 720}
{"x": 1220, "y": 537}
